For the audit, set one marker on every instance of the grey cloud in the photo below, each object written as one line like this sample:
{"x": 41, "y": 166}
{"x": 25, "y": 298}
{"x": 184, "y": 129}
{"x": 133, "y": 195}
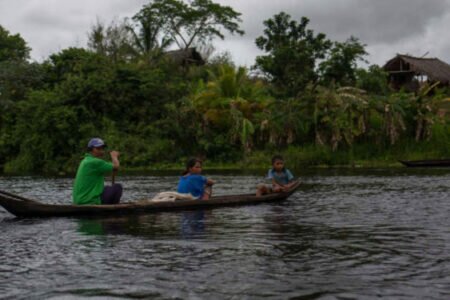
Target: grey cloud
{"x": 381, "y": 21}
{"x": 51, "y": 25}
{"x": 386, "y": 26}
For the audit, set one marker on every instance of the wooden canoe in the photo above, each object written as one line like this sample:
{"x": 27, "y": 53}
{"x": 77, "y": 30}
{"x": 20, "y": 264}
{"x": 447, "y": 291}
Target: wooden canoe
{"x": 426, "y": 163}
{"x": 23, "y": 207}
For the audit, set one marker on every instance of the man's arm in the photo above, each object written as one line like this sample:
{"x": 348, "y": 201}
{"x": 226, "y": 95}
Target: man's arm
{"x": 115, "y": 159}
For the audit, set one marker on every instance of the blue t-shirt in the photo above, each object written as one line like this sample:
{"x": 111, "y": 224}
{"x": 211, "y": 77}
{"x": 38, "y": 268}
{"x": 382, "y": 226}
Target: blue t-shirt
{"x": 193, "y": 184}
{"x": 283, "y": 178}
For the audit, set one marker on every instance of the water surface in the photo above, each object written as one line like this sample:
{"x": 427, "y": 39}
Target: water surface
{"x": 343, "y": 235}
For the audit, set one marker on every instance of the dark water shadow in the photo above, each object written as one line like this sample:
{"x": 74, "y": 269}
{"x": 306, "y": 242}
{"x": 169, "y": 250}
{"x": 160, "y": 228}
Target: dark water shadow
{"x": 185, "y": 224}
{"x": 192, "y": 223}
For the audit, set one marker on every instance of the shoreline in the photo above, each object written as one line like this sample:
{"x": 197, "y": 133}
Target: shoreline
{"x": 235, "y": 168}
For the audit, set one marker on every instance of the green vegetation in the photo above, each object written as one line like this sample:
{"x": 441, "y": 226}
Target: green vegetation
{"x": 308, "y": 99}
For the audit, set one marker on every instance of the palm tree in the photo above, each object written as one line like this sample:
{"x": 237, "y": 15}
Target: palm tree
{"x": 287, "y": 121}
{"x": 230, "y": 102}
{"x": 339, "y": 115}
{"x": 394, "y": 110}
{"x": 426, "y": 110}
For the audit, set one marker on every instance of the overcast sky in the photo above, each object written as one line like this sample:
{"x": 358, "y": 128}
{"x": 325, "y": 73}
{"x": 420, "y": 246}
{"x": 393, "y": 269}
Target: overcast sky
{"x": 387, "y": 26}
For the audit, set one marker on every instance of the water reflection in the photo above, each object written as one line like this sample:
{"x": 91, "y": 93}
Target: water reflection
{"x": 192, "y": 223}
{"x": 142, "y": 225}
{"x": 90, "y": 227}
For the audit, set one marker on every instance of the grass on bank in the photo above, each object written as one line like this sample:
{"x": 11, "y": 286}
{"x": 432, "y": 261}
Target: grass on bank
{"x": 362, "y": 155}
{"x": 311, "y": 156}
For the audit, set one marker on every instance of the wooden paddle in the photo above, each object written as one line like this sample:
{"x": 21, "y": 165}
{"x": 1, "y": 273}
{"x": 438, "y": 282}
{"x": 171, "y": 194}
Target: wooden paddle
{"x": 113, "y": 179}
{"x": 114, "y": 157}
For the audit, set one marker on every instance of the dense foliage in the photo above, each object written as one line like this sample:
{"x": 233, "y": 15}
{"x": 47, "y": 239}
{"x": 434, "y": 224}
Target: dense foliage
{"x": 311, "y": 101}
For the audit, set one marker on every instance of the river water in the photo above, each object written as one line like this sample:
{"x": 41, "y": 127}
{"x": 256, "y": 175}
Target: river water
{"x": 344, "y": 235}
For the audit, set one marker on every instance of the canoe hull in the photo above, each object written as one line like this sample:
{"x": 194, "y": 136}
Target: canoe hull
{"x": 29, "y": 208}
{"x": 426, "y": 163}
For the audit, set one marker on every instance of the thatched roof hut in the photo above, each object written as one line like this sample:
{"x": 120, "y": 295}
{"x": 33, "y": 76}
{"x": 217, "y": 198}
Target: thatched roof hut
{"x": 408, "y": 71}
{"x": 186, "y": 57}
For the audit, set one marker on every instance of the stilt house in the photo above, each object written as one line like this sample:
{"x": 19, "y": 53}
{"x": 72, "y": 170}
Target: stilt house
{"x": 410, "y": 72}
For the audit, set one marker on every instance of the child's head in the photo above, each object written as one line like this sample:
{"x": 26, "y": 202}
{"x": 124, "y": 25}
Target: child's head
{"x": 193, "y": 166}
{"x": 277, "y": 163}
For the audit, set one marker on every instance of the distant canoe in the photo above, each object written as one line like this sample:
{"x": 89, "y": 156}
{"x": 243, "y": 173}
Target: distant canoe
{"x": 426, "y": 163}
{"x": 23, "y": 207}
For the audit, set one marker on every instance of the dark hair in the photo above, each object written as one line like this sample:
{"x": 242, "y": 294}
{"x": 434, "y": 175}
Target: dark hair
{"x": 89, "y": 149}
{"x": 277, "y": 157}
{"x": 190, "y": 163}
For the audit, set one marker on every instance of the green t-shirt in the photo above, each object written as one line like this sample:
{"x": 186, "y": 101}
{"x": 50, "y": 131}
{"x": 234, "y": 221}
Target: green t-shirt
{"x": 90, "y": 180}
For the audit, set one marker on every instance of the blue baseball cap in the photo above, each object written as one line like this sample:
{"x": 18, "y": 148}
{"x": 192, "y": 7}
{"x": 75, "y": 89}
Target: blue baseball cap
{"x": 96, "y": 143}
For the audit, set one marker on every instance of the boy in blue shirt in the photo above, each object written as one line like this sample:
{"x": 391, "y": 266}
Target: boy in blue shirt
{"x": 193, "y": 183}
{"x": 280, "y": 176}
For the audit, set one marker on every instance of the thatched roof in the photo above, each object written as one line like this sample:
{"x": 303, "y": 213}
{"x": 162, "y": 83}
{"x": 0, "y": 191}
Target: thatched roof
{"x": 434, "y": 68}
{"x": 186, "y": 56}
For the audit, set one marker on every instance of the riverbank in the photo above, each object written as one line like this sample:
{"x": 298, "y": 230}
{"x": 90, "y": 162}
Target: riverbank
{"x": 297, "y": 158}
{"x": 361, "y": 156}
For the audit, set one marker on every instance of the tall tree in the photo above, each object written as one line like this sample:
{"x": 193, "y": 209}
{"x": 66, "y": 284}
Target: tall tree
{"x": 148, "y": 30}
{"x": 341, "y": 63}
{"x": 17, "y": 75}
{"x": 293, "y": 52}
{"x": 188, "y": 24}
{"x": 17, "y": 79}
{"x": 12, "y": 47}
{"x": 374, "y": 80}
{"x": 114, "y": 40}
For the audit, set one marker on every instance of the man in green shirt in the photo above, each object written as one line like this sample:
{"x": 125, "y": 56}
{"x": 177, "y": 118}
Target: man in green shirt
{"x": 90, "y": 179}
